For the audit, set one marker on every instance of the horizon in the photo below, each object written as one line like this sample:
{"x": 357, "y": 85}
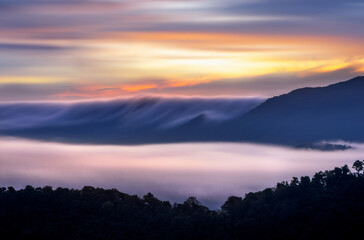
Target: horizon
{"x": 171, "y": 97}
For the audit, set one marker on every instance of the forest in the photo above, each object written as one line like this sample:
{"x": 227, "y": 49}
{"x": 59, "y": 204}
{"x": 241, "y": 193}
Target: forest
{"x": 329, "y": 205}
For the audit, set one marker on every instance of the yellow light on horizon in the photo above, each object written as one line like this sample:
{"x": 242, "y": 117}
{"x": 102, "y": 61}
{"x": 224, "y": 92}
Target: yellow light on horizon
{"x": 29, "y": 80}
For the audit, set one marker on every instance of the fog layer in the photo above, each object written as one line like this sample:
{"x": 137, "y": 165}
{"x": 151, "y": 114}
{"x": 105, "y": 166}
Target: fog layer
{"x": 209, "y": 171}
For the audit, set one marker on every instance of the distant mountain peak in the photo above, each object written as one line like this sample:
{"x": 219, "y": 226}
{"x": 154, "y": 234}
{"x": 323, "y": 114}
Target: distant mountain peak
{"x": 354, "y": 82}
{"x": 307, "y": 115}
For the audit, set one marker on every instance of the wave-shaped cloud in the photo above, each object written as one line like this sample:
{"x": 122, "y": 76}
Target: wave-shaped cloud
{"x": 134, "y": 120}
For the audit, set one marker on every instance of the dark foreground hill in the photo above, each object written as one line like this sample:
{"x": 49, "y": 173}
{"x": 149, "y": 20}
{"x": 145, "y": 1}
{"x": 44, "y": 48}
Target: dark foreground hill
{"x": 330, "y": 205}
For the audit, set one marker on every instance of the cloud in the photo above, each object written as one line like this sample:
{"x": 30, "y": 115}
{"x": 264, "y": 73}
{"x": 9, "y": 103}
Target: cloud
{"x": 267, "y": 85}
{"x": 26, "y": 92}
{"x": 132, "y": 120}
{"x": 109, "y": 89}
{"x": 31, "y": 47}
{"x": 300, "y": 7}
{"x": 202, "y": 44}
{"x": 92, "y": 18}
{"x": 6, "y": 4}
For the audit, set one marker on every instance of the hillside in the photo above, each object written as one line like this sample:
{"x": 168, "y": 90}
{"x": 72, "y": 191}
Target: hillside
{"x": 307, "y": 115}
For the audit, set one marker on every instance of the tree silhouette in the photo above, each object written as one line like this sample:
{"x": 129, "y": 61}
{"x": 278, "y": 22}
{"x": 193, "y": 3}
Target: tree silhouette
{"x": 328, "y": 206}
{"x": 358, "y": 166}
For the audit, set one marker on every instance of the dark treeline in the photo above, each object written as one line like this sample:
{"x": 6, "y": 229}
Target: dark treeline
{"x": 330, "y": 205}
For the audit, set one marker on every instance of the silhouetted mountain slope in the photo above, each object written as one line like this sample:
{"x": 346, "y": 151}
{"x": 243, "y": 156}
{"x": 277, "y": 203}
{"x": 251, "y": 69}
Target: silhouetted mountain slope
{"x": 335, "y": 112}
{"x": 299, "y": 118}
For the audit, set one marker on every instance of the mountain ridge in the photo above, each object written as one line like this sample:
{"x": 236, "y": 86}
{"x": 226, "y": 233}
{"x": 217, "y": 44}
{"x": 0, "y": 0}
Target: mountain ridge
{"x": 309, "y": 114}
{"x": 301, "y": 117}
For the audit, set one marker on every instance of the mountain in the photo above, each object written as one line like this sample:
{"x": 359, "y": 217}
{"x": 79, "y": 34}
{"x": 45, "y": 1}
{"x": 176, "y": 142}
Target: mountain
{"x": 302, "y": 117}
{"x": 122, "y": 121}
{"x": 307, "y": 115}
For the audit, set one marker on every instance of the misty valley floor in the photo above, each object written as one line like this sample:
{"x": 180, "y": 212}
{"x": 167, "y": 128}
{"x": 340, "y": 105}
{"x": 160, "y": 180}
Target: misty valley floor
{"x": 209, "y": 171}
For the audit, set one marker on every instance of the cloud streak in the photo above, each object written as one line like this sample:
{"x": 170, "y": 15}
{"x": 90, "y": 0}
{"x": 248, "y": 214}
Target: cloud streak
{"x": 118, "y": 121}
{"x": 123, "y": 44}
{"x": 265, "y": 85}
{"x": 31, "y": 47}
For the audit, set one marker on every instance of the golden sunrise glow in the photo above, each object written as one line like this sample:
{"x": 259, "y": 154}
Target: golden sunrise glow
{"x": 187, "y": 59}
{"x": 29, "y": 79}
{"x": 137, "y": 47}
{"x": 191, "y": 56}
{"x": 133, "y": 88}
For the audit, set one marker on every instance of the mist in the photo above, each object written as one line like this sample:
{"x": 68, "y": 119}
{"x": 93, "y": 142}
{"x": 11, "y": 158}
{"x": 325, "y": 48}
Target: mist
{"x": 122, "y": 121}
{"x": 209, "y": 171}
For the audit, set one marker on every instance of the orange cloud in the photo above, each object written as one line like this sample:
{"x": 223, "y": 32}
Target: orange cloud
{"x": 134, "y": 88}
{"x": 111, "y": 91}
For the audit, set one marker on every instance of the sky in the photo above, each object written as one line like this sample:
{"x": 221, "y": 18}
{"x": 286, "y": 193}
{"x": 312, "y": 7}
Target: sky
{"x": 89, "y": 49}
